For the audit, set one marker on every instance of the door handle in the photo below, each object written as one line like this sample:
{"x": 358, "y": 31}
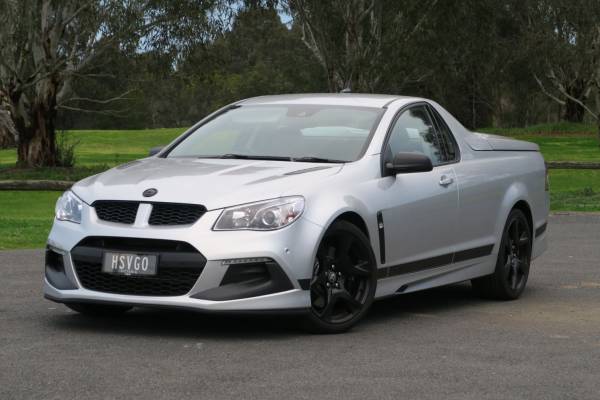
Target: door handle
{"x": 445, "y": 180}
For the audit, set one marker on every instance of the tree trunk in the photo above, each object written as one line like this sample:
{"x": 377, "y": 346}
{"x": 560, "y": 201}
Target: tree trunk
{"x": 7, "y": 137}
{"x": 37, "y": 145}
{"x": 573, "y": 111}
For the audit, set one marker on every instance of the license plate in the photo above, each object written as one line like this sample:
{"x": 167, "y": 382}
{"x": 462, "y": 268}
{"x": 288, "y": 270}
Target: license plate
{"x": 129, "y": 264}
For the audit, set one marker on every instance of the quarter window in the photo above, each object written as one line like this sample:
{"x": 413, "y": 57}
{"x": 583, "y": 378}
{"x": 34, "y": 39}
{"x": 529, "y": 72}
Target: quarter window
{"x": 446, "y": 138}
{"x": 414, "y": 132}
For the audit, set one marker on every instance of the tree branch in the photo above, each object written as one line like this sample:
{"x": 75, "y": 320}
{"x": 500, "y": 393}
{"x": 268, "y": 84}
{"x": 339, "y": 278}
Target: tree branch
{"x": 546, "y": 92}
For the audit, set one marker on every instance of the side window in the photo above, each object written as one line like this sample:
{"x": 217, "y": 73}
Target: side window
{"x": 414, "y": 132}
{"x": 447, "y": 140}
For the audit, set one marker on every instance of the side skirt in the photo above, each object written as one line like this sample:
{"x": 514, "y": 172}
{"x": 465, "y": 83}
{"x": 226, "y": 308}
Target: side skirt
{"x": 435, "y": 262}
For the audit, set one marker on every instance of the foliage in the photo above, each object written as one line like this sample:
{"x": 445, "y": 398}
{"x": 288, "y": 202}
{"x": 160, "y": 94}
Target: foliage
{"x": 110, "y": 64}
{"x": 48, "y": 45}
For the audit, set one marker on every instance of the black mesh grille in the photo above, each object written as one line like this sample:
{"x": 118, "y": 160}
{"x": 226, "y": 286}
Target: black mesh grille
{"x": 122, "y": 212}
{"x": 179, "y": 266}
{"x": 175, "y": 214}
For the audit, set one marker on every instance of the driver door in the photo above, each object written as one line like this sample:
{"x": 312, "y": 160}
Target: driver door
{"x": 421, "y": 213}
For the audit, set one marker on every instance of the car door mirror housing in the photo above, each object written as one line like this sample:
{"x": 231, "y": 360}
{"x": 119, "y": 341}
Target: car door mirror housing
{"x": 155, "y": 150}
{"x": 404, "y": 163}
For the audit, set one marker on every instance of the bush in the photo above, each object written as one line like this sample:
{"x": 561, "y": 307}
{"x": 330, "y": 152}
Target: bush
{"x": 65, "y": 150}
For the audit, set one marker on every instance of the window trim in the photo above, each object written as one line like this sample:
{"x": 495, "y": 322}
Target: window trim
{"x": 392, "y": 124}
{"x": 438, "y": 120}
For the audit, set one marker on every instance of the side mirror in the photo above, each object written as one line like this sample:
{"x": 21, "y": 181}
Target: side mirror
{"x": 404, "y": 163}
{"x": 155, "y": 150}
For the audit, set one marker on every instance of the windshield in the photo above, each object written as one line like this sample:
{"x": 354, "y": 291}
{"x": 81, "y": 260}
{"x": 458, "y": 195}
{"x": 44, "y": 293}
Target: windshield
{"x": 286, "y": 132}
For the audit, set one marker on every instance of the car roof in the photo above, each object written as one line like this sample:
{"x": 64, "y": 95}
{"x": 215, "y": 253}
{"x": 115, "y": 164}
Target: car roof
{"x": 343, "y": 99}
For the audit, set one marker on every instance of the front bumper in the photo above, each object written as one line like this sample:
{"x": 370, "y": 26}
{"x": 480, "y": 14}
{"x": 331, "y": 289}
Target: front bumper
{"x": 292, "y": 249}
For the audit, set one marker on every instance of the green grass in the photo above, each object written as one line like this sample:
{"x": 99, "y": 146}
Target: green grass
{"x": 558, "y": 142}
{"x": 96, "y": 151}
{"x": 25, "y": 218}
{"x": 575, "y": 190}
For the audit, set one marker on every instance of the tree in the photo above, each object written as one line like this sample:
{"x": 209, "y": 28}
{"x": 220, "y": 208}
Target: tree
{"x": 347, "y": 36}
{"x": 566, "y": 35}
{"x": 48, "y": 44}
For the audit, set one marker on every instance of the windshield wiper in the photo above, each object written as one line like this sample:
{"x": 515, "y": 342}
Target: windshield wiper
{"x": 318, "y": 160}
{"x": 250, "y": 157}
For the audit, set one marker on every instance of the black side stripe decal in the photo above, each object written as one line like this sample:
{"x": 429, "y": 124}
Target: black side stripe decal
{"x": 420, "y": 265}
{"x": 541, "y": 229}
{"x": 473, "y": 253}
{"x": 381, "y": 229}
{"x": 435, "y": 262}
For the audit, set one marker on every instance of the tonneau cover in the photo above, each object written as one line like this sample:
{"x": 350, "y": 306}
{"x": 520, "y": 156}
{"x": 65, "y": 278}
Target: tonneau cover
{"x": 486, "y": 142}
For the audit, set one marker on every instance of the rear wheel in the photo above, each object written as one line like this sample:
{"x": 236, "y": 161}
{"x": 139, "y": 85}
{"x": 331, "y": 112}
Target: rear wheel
{"x": 344, "y": 279}
{"x": 98, "y": 310}
{"x": 512, "y": 267}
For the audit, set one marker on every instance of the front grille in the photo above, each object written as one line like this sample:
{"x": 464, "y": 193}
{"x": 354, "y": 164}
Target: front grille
{"x": 122, "y": 212}
{"x": 175, "y": 214}
{"x": 178, "y": 269}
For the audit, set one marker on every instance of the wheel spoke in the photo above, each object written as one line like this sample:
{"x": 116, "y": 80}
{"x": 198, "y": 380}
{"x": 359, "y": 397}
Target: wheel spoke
{"x": 331, "y": 251}
{"x": 360, "y": 269}
{"x": 345, "y": 246}
{"x": 351, "y": 302}
{"x": 508, "y": 263}
{"x": 524, "y": 239}
{"x": 513, "y": 279}
{"x": 515, "y": 231}
{"x": 330, "y": 301}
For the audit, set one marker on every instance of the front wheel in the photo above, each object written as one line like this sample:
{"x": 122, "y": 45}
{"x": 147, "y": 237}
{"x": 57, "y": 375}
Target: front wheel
{"x": 344, "y": 279}
{"x": 512, "y": 267}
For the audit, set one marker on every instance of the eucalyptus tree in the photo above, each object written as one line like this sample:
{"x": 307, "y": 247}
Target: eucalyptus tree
{"x": 347, "y": 36}
{"x": 565, "y": 36}
{"x": 47, "y": 44}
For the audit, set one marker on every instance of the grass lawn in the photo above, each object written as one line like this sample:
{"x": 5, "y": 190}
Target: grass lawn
{"x": 25, "y": 218}
{"x": 575, "y": 190}
{"x": 96, "y": 152}
{"x": 558, "y": 142}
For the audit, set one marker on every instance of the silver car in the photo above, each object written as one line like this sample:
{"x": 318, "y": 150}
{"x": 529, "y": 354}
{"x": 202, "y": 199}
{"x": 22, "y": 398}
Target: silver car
{"x": 316, "y": 204}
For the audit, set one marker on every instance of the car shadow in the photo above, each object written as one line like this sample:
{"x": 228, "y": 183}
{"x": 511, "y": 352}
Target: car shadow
{"x": 178, "y": 323}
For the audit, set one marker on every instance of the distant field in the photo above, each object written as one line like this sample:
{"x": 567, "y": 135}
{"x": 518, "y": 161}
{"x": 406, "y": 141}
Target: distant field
{"x": 558, "y": 142}
{"x": 97, "y": 151}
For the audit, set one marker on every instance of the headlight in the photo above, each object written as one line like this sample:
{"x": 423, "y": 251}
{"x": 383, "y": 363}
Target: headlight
{"x": 262, "y": 216}
{"x": 68, "y": 208}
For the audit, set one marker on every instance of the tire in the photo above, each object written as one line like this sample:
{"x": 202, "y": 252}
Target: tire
{"x": 512, "y": 266}
{"x": 98, "y": 310}
{"x": 344, "y": 280}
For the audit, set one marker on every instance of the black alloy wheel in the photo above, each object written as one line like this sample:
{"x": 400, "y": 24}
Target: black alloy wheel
{"x": 344, "y": 279}
{"x": 512, "y": 267}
